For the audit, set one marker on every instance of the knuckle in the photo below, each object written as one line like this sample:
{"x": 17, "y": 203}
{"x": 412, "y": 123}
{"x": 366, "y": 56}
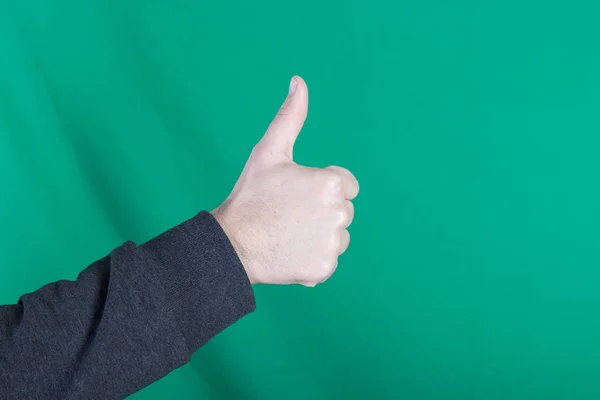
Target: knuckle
{"x": 324, "y": 273}
{"x": 350, "y": 209}
{"x": 341, "y": 214}
{"x": 348, "y": 179}
{"x": 259, "y": 149}
{"x": 341, "y": 171}
{"x": 332, "y": 181}
{"x": 335, "y": 243}
{"x": 345, "y": 241}
{"x": 329, "y": 268}
{"x": 285, "y": 109}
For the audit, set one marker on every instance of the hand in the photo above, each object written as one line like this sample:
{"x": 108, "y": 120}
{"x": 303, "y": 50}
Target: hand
{"x": 288, "y": 222}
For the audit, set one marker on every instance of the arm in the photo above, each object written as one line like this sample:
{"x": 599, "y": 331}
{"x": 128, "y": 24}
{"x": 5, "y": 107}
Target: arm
{"x": 128, "y": 320}
{"x": 139, "y": 313}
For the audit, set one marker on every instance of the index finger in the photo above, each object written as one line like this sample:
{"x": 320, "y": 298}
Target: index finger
{"x": 350, "y": 183}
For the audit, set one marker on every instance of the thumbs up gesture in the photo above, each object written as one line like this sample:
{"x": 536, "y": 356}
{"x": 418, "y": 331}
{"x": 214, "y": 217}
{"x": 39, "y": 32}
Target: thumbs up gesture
{"x": 288, "y": 222}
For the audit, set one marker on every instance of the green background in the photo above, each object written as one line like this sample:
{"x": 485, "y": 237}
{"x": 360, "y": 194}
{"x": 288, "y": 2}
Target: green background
{"x": 472, "y": 126}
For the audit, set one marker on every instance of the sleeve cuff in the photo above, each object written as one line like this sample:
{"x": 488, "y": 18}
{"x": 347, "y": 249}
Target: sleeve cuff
{"x": 206, "y": 288}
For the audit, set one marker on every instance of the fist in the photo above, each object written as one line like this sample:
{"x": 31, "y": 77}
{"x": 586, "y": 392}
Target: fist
{"x": 288, "y": 222}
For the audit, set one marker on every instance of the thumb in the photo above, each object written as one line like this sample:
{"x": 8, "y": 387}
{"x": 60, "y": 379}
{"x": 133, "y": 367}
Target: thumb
{"x": 284, "y": 129}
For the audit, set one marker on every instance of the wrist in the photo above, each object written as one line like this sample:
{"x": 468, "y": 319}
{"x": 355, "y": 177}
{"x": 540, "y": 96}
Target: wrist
{"x": 233, "y": 234}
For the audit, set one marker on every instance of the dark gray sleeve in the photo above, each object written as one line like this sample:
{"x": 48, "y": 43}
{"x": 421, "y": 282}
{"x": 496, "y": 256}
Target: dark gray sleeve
{"x": 128, "y": 320}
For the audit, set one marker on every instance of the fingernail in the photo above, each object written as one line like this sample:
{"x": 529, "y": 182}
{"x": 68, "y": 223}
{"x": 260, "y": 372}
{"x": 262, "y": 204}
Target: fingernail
{"x": 293, "y": 84}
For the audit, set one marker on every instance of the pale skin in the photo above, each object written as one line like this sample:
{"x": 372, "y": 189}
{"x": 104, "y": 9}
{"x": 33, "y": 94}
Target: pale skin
{"x": 128, "y": 320}
{"x": 288, "y": 223}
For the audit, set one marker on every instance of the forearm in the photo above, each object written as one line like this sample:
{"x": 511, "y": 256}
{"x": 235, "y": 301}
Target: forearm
{"x": 129, "y": 318}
